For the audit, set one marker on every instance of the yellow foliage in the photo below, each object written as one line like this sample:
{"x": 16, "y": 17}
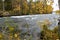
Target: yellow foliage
{"x": 25, "y": 7}
{"x": 41, "y": 8}
{"x": 17, "y": 8}
{"x": 57, "y": 11}
{"x": 50, "y": 2}
{"x": 11, "y": 28}
{"x": 1, "y": 36}
{"x": 35, "y": 7}
{"x": 42, "y": 23}
{"x": 15, "y": 35}
{"x": 46, "y": 22}
{"x": 49, "y": 9}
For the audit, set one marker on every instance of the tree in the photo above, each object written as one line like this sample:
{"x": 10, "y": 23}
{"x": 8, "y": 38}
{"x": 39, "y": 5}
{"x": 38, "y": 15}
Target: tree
{"x": 16, "y": 7}
{"x": 1, "y": 5}
{"x": 32, "y": 7}
{"x": 59, "y": 3}
{"x": 25, "y": 8}
{"x": 8, "y": 5}
{"x": 43, "y": 8}
{"x": 57, "y": 11}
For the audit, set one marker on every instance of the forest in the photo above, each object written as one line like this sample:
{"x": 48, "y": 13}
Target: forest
{"x": 24, "y": 7}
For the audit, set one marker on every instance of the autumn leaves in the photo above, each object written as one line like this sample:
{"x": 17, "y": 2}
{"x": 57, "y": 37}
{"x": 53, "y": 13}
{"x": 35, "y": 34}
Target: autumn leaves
{"x": 36, "y": 8}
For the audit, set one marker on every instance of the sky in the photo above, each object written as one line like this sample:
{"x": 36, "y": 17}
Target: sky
{"x": 55, "y": 5}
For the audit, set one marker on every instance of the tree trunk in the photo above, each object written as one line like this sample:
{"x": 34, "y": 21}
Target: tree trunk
{"x": 59, "y": 3}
